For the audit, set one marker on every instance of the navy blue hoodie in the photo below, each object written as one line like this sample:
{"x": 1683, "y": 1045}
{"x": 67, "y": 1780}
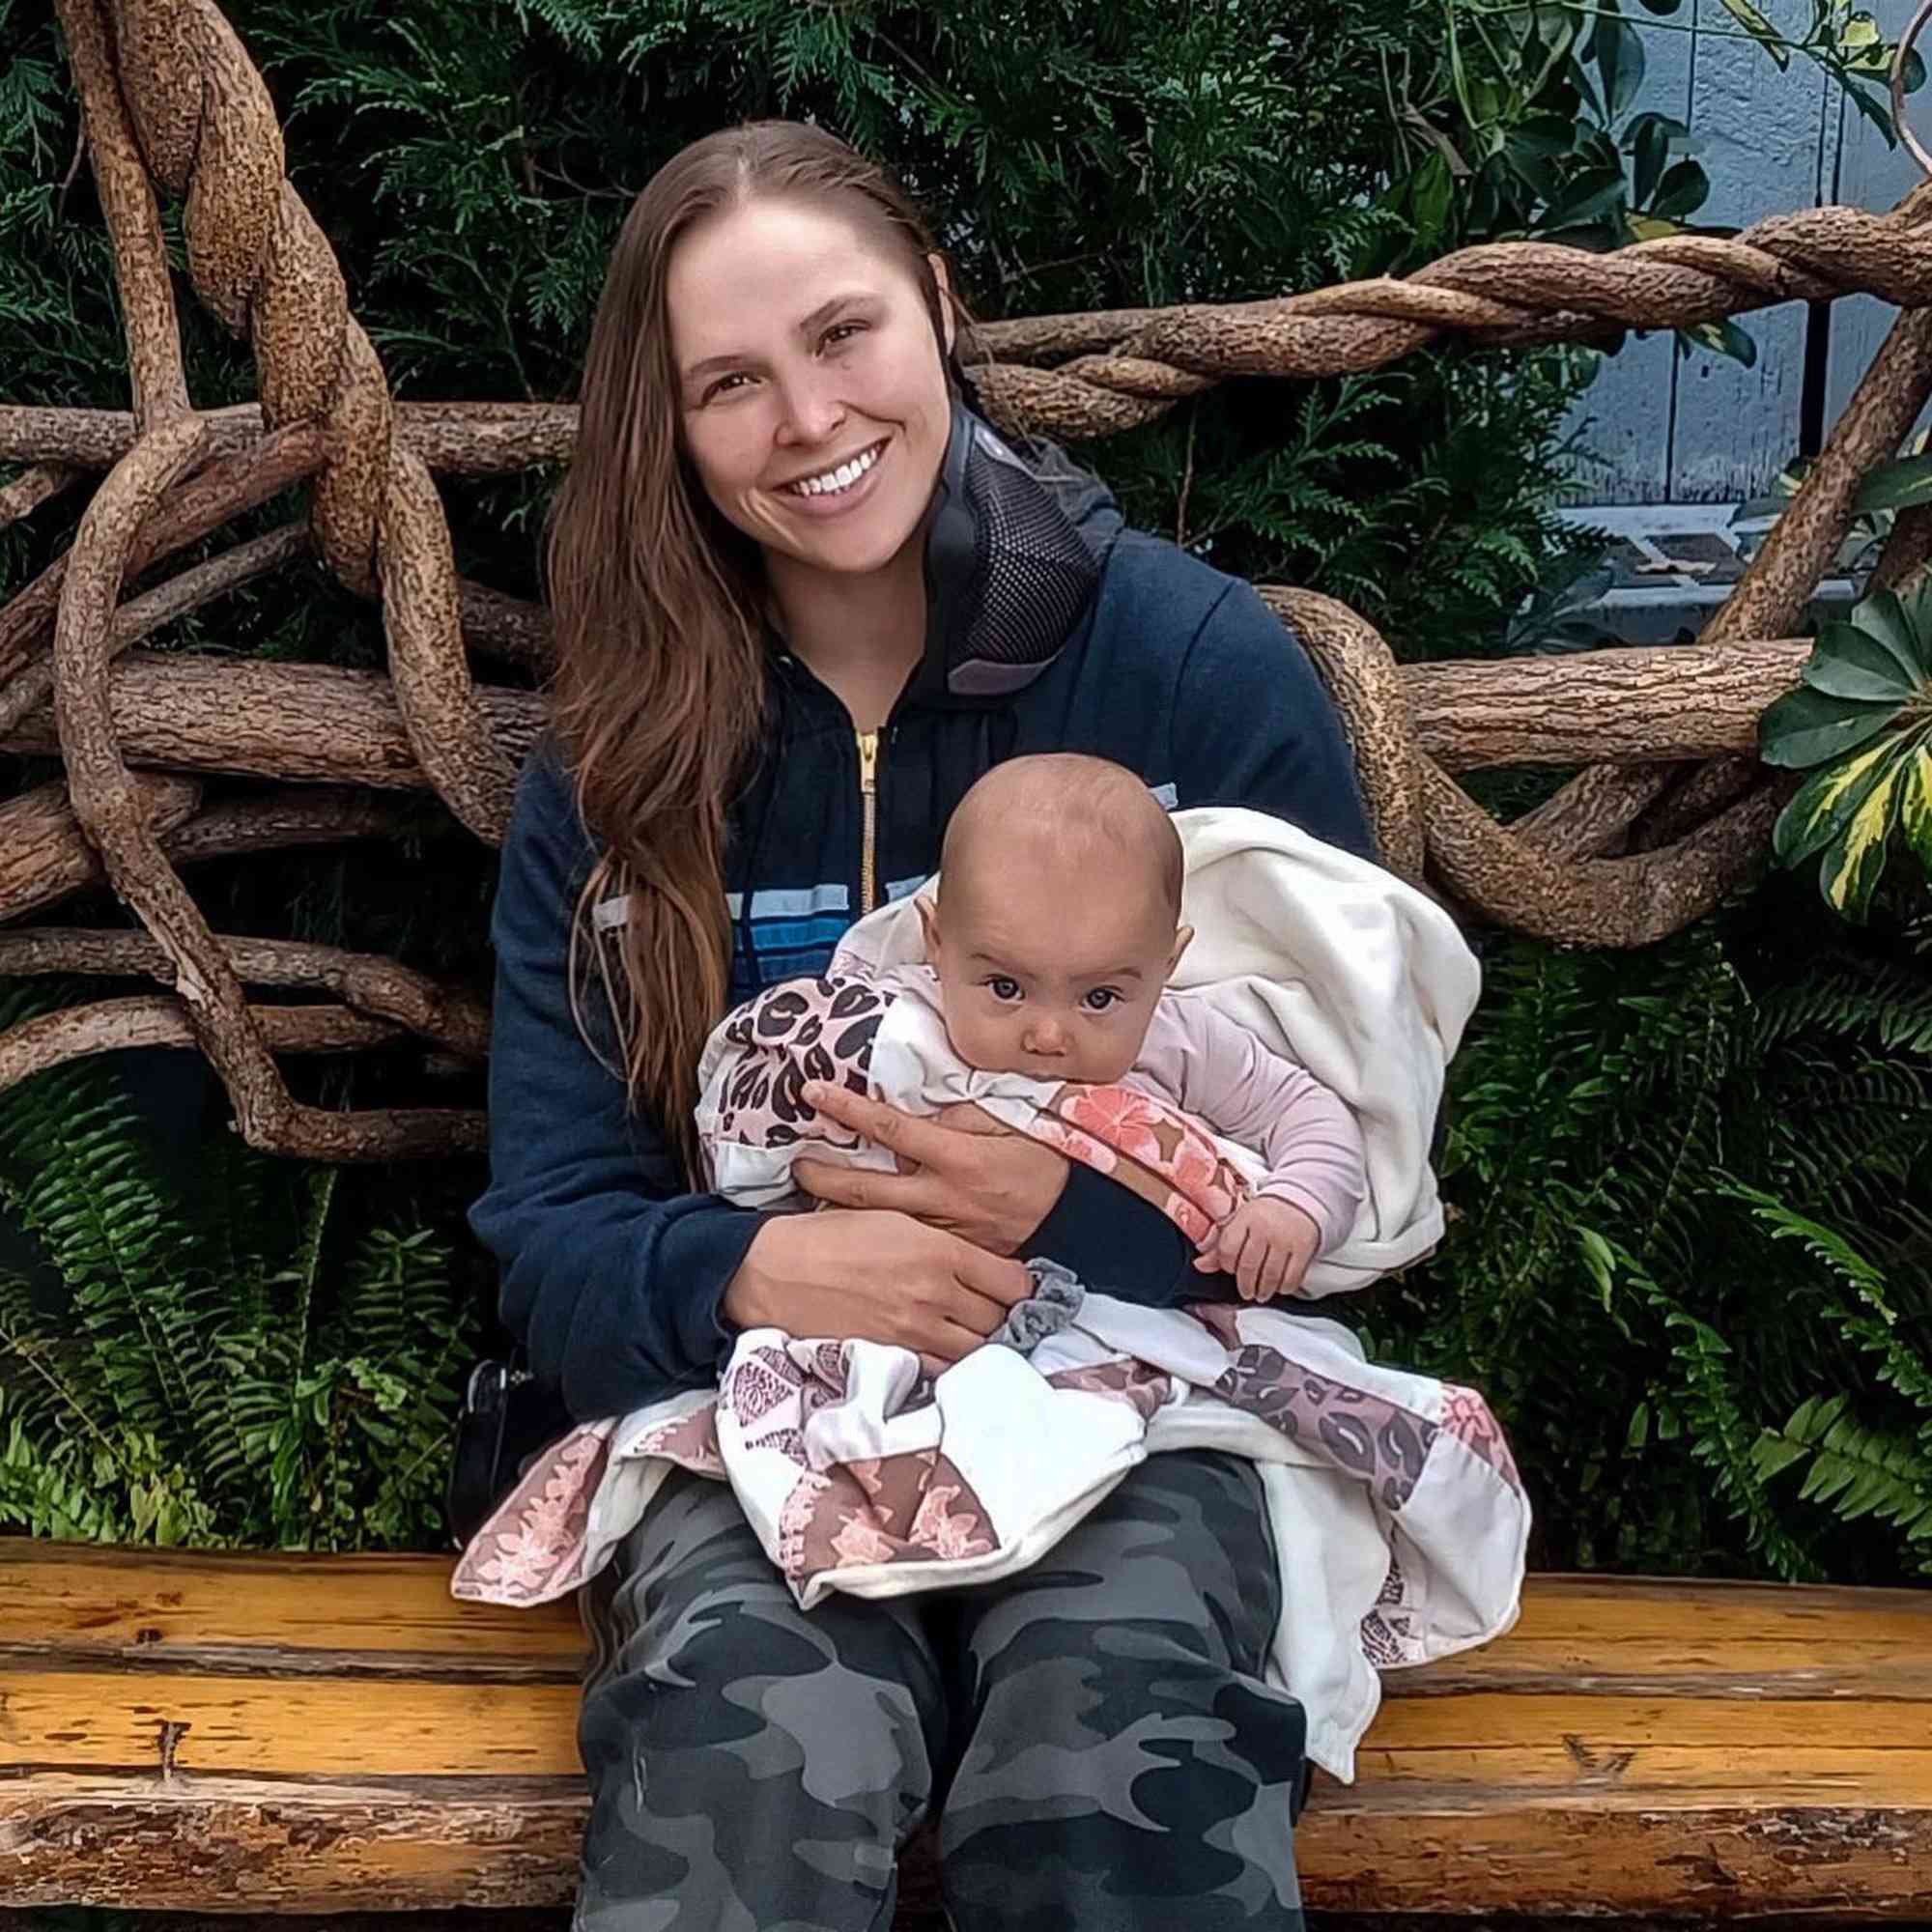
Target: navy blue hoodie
{"x": 612, "y": 1270}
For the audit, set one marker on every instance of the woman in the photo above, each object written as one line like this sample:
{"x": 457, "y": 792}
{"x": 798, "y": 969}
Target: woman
{"x": 803, "y": 598}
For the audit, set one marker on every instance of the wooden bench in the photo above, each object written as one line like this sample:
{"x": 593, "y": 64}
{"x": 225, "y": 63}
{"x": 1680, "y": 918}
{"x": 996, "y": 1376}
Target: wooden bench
{"x": 290, "y": 1734}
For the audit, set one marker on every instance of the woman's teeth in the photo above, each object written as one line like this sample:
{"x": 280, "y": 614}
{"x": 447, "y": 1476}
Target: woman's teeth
{"x": 833, "y": 481}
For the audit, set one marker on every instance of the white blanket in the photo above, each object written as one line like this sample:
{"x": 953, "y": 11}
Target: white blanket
{"x": 1398, "y": 1517}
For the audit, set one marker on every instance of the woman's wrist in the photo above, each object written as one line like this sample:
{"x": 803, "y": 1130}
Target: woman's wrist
{"x": 746, "y": 1302}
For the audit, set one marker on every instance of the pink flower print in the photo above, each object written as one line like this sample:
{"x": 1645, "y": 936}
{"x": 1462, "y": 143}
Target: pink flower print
{"x": 1188, "y": 1218}
{"x": 690, "y": 1441}
{"x": 946, "y": 1534}
{"x": 860, "y": 1541}
{"x": 1468, "y": 1417}
{"x": 797, "y": 1519}
{"x": 1123, "y": 1120}
{"x": 1074, "y": 1145}
{"x": 1200, "y": 1173}
{"x": 521, "y": 1565}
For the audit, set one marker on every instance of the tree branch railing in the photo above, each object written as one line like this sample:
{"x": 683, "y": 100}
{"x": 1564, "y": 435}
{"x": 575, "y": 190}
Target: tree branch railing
{"x": 1669, "y": 811}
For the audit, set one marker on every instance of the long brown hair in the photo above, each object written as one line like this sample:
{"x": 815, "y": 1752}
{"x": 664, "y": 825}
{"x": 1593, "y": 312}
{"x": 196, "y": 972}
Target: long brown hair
{"x": 659, "y": 692}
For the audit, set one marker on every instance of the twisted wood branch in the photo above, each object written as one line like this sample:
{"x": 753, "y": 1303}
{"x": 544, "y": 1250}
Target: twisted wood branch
{"x": 108, "y": 804}
{"x": 376, "y": 988}
{"x": 33, "y": 487}
{"x": 112, "y": 1025}
{"x": 261, "y": 265}
{"x": 1092, "y": 375}
{"x": 454, "y": 439}
{"x": 1673, "y": 810}
{"x": 45, "y": 857}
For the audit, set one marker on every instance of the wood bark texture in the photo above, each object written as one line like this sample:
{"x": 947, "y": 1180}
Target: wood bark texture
{"x": 197, "y": 1732}
{"x": 1669, "y": 811}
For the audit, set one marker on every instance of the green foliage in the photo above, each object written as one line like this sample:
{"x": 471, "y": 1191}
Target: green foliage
{"x": 211, "y": 1367}
{"x": 472, "y": 164}
{"x": 1688, "y": 1197}
{"x": 236, "y": 1364}
{"x": 1861, "y": 722}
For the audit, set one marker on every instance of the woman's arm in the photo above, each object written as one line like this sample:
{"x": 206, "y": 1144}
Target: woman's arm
{"x": 612, "y": 1270}
{"x": 623, "y": 1284}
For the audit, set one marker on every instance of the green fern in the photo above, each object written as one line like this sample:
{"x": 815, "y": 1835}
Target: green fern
{"x": 203, "y": 1368}
{"x": 1685, "y": 1192}
{"x": 1857, "y": 1471}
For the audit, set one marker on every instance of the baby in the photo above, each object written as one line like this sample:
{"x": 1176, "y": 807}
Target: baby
{"x": 1057, "y": 929}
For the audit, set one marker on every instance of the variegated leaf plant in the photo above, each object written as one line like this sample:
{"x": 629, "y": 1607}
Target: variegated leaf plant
{"x": 1860, "y": 723}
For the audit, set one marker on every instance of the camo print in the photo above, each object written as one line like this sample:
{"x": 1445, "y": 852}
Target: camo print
{"x": 1093, "y": 1734}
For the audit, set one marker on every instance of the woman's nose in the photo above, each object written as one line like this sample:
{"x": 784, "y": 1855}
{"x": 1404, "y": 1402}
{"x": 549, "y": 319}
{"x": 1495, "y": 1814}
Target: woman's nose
{"x": 811, "y": 412}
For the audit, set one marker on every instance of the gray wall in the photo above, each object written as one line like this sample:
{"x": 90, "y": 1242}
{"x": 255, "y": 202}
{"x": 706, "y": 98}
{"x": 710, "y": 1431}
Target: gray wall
{"x": 1661, "y": 428}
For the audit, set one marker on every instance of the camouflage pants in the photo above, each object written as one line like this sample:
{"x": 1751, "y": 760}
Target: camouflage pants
{"x": 1092, "y": 1733}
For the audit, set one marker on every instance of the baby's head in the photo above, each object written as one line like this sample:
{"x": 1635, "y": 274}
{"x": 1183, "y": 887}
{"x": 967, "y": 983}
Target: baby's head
{"x": 1059, "y": 918}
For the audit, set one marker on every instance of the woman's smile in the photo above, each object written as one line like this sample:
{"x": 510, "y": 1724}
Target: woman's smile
{"x": 839, "y": 487}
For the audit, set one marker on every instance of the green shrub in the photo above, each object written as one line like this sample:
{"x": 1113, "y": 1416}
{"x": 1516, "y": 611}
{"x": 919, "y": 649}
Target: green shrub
{"x": 219, "y": 1364}
{"x": 1690, "y": 1235}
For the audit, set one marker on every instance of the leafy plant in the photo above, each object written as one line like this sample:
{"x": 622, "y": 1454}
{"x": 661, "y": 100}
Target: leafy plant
{"x": 1859, "y": 1469}
{"x": 211, "y": 1367}
{"x": 1862, "y": 723}
{"x": 1655, "y": 1166}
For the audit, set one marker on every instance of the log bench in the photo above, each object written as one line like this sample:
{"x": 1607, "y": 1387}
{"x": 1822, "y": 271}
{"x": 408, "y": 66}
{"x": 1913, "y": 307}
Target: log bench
{"x": 293, "y": 1734}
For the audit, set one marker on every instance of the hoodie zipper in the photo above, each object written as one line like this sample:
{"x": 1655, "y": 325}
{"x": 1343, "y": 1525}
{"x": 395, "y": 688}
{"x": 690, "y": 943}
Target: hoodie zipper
{"x": 869, "y": 807}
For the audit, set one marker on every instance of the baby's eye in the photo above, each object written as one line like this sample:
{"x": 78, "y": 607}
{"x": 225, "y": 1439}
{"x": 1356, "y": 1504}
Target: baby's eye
{"x": 1001, "y": 988}
{"x": 1100, "y": 999}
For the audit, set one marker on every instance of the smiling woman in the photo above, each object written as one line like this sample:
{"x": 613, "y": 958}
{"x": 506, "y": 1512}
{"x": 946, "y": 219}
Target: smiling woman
{"x": 816, "y": 412}
{"x": 805, "y": 598}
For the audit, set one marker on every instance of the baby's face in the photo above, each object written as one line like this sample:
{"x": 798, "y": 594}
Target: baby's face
{"x": 1051, "y": 974}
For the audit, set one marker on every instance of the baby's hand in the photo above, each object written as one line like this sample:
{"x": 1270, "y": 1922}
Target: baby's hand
{"x": 1266, "y": 1246}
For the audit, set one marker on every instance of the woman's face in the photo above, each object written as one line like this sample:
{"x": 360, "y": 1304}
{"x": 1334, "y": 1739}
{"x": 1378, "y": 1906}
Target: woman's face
{"x": 812, "y": 392}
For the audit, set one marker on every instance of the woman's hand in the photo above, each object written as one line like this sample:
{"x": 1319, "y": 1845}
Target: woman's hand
{"x": 874, "y": 1277}
{"x": 961, "y": 1171}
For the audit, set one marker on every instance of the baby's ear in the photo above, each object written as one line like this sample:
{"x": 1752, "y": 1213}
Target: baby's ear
{"x": 1181, "y": 941}
{"x": 929, "y": 919}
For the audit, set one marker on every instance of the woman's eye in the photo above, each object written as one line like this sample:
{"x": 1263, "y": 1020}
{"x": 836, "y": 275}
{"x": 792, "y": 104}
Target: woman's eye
{"x": 839, "y": 330}
{"x": 1100, "y": 999}
{"x": 1003, "y": 989}
{"x": 725, "y": 384}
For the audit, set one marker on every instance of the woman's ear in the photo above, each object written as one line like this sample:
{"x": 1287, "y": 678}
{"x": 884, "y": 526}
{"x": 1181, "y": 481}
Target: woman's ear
{"x": 949, "y": 320}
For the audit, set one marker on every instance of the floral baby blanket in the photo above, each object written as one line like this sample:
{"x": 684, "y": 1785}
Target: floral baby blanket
{"x": 1398, "y": 1520}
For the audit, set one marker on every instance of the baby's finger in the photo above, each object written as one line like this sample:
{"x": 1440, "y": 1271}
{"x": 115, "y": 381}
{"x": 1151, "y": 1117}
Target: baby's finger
{"x": 1212, "y": 1258}
{"x": 1273, "y": 1272}
{"x": 1236, "y": 1242}
{"x": 1253, "y": 1256}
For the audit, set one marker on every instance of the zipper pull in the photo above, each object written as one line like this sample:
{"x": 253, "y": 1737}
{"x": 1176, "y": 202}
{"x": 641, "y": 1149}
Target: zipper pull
{"x": 868, "y": 762}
